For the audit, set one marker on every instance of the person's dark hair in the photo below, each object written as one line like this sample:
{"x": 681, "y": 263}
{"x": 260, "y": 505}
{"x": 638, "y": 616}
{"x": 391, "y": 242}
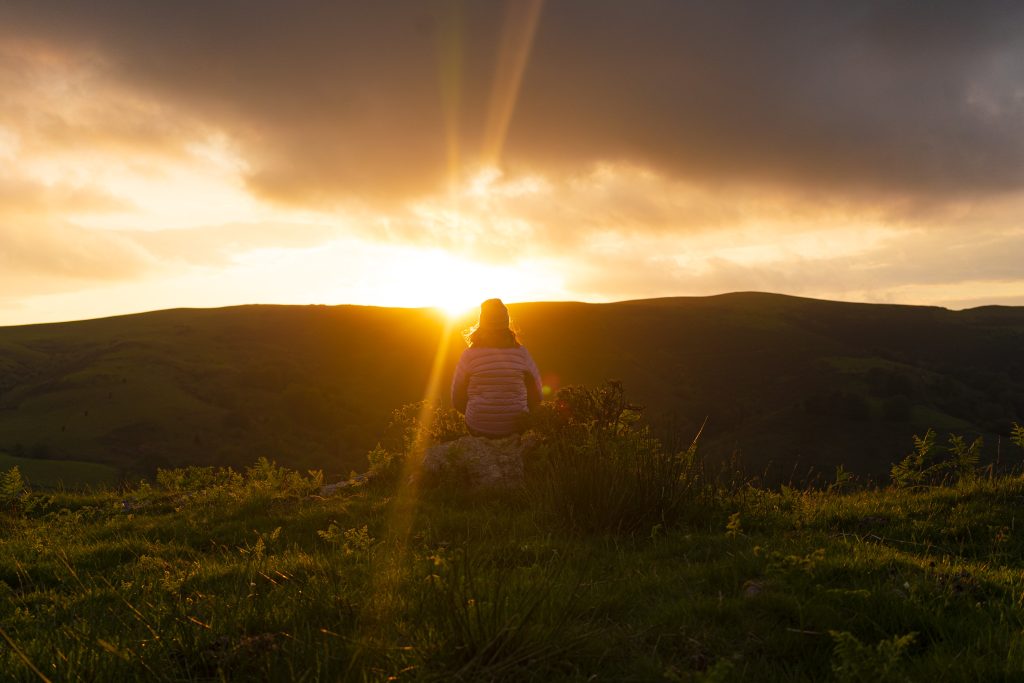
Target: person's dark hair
{"x": 494, "y": 328}
{"x": 505, "y": 339}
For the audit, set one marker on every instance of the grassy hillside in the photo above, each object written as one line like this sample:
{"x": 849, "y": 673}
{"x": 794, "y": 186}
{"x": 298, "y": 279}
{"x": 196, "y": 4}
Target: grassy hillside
{"x": 786, "y": 383}
{"x": 308, "y": 386}
{"x": 793, "y": 383}
{"x": 52, "y": 474}
{"x": 210, "y": 575}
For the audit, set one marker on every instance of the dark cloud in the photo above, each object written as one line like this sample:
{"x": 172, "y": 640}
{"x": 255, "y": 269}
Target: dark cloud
{"x": 328, "y": 99}
{"x": 858, "y": 96}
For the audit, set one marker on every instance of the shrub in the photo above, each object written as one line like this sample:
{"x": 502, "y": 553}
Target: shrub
{"x": 604, "y": 409}
{"x": 413, "y": 428}
{"x": 384, "y": 464}
{"x": 211, "y": 486}
{"x": 407, "y": 427}
{"x": 599, "y": 469}
{"x": 856, "y": 662}
{"x": 279, "y": 482}
{"x": 195, "y": 479}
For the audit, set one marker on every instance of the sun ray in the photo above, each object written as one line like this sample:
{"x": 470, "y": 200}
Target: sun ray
{"x": 394, "y": 562}
{"x": 404, "y": 506}
{"x": 517, "y": 40}
{"x": 518, "y": 33}
{"x": 449, "y": 61}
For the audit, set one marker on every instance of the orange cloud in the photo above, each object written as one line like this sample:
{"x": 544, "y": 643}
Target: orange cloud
{"x": 650, "y": 148}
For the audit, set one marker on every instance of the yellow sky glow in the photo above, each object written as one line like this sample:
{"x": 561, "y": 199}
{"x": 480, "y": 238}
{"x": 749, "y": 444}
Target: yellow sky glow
{"x": 116, "y": 197}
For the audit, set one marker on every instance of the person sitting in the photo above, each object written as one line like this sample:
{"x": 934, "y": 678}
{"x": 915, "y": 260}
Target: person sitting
{"x": 496, "y": 383}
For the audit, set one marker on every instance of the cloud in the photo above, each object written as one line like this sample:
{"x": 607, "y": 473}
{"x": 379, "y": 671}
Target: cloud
{"x": 336, "y": 100}
{"x": 656, "y": 148}
{"x": 20, "y": 197}
{"x": 70, "y": 251}
{"x": 495, "y": 217}
{"x": 50, "y": 254}
{"x": 217, "y": 245}
{"x": 59, "y": 100}
{"x": 940, "y": 267}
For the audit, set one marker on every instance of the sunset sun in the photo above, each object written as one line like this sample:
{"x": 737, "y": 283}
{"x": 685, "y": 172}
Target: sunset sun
{"x": 454, "y": 285}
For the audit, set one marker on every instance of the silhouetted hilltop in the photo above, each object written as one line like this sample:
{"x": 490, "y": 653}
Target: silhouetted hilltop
{"x": 787, "y": 383}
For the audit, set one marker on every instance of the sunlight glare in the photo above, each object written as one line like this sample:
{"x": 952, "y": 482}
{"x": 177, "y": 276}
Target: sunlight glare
{"x": 454, "y": 285}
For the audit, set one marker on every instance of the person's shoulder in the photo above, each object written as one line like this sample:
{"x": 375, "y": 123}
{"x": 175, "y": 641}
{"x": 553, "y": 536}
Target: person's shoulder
{"x": 475, "y": 352}
{"x": 485, "y": 353}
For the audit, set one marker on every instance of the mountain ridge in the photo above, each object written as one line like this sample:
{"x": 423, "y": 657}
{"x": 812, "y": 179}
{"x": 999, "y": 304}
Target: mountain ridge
{"x": 786, "y": 383}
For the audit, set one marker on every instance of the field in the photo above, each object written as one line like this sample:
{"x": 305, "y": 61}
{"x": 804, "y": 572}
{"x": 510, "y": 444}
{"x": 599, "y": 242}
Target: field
{"x": 52, "y": 474}
{"x": 208, "y": 574}
{"x": 792, "y": 387}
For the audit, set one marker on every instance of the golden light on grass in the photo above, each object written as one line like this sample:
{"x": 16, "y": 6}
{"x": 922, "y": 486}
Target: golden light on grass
{"x": 403, "y": 508}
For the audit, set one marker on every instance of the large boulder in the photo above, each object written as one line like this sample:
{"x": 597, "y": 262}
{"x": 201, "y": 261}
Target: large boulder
{"x": 477, "y": 463}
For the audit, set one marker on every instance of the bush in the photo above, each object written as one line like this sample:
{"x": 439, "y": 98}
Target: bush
{"x": 599, "y": 469}
{"x": 413, "y": 428}
{"x": 263, "y": 482}
{"x": 384, "y": 464}
{"x": 856, "y": 662}
{"x": 407, "y": 427}
{"x": 196, "y": 479}
{"x": 266, "y": 478}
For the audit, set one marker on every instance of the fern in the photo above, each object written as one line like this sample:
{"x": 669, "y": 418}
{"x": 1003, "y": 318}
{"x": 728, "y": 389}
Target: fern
{"x": 844, "y": 479}
{"x": 925, "y": 467}
{"x": 965, "y": 458}
{"x": 857, "y": 662}
{"x": 918, "y": 466}
{"x": 734, "y": 527}
{"x": 12, "y": 487}
{"x": 1017, "y": 435}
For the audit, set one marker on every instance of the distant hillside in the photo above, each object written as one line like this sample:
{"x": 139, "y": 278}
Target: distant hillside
{"x": 786, "y": 383}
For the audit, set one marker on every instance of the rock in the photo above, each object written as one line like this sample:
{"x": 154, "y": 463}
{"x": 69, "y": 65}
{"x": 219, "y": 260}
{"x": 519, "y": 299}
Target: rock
{"x": 753, "y": 588}
{"x": 477, "y": 463}
{"x": 359, "y": 479}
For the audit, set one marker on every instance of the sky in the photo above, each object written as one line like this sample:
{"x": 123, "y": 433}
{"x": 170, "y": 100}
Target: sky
{"x": 164, "y": 154}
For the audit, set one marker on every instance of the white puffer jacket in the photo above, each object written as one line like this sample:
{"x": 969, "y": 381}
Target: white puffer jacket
{"x": 495, "y": 388}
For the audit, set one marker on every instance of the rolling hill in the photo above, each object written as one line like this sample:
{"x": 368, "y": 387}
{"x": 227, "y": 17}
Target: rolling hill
{"x": 786, "y": 384}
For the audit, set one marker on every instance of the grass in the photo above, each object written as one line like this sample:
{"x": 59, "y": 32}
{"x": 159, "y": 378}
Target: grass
{"x": 255, "y": 577}
{"x": 642, "y": 567}
{"x": 52, "y": 474}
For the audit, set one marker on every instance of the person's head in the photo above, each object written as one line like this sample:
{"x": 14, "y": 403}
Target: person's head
{"x": 494, "y": 328}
